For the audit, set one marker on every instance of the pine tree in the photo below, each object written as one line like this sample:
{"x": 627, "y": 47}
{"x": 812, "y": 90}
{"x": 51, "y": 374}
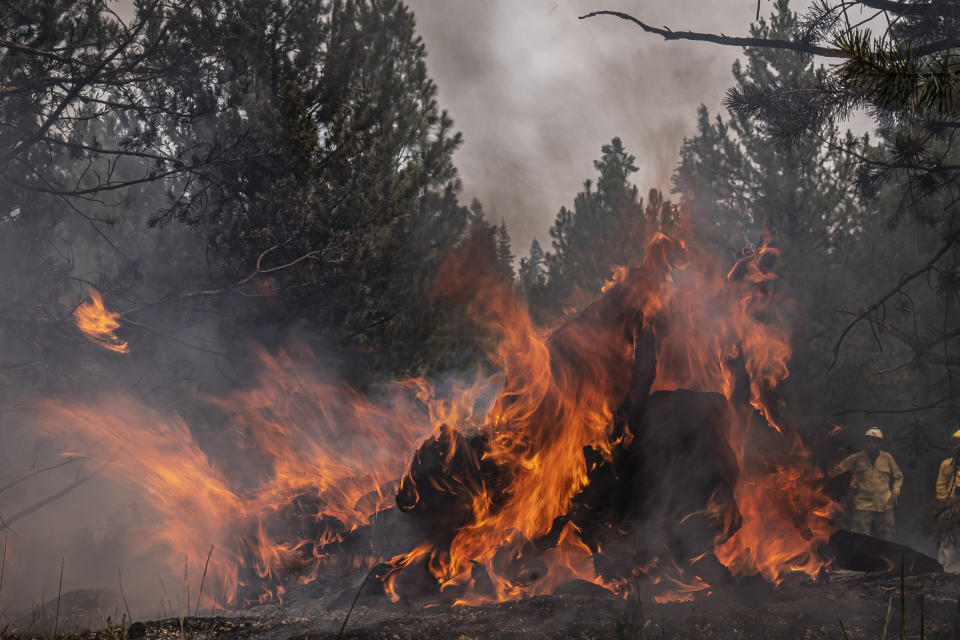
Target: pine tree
{"x": 607, "y": 226}
{"x": 504, "y": 253}
{"x": 531, "y": 272}
{"x": 740, "y": 183}
{"x": 476, "y": 213}
{"x": 301, "y": 142}
{"x": 353, "y": 184}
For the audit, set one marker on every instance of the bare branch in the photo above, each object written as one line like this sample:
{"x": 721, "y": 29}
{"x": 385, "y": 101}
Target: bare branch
{"x": 5, "y": 523}
{"x": 669, "y": 34}
{"x": 927, "y": 407}
{"x": 903, "y": 282}
{"x": 33, "y": 472}
{"x": 259, "y": 270}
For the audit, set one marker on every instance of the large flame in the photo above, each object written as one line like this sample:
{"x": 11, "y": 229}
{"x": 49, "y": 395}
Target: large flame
{"x": 330, "y": 456}
{"x": 562, "y": 388}
{"x": 98, "y": 323}
{"x": 310, "y": 441}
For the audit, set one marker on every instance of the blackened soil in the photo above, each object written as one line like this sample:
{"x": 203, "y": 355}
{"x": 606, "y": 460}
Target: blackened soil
{"x": 799, "y": 608}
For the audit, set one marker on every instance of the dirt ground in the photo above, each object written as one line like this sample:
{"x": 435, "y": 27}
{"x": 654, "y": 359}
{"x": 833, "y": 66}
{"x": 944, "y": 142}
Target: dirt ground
{"x": 799, "y": 608}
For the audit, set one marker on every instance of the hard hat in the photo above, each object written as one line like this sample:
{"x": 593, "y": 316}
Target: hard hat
{"x": 956, "y": 435}
{"x": 874, "y": 432}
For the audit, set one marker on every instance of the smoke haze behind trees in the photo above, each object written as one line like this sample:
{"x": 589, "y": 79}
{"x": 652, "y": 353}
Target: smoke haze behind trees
{"x": 536, "y": 92}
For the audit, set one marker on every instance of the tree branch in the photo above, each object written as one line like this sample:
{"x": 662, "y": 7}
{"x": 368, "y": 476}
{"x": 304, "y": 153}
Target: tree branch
{"x": 5, "y": 523}
{"x": 903, "y": 282}
{"x": 924, "y": 350}
{"x": 937, "y": 404}
{"x": 75, "y": 91}
{"x": 912, "y": 9}
{"x": 19, "y": 48}
{"x": 26, "y": 475}
{"x": 669, "y": 34}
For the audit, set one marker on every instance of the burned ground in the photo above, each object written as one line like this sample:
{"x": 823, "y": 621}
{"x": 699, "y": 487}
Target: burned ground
{"x": 798, "y": 608}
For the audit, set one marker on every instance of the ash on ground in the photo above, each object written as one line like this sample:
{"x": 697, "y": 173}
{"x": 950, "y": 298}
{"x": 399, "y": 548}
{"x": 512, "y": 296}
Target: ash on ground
{"x": 799, "y": 608}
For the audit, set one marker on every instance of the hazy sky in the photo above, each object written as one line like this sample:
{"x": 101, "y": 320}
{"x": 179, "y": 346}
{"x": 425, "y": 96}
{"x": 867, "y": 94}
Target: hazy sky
{"x": 537, "y": 92}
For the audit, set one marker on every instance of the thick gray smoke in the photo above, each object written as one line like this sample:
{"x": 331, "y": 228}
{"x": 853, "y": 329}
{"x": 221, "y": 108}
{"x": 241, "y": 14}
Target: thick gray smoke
{"x": 537, "y": 92}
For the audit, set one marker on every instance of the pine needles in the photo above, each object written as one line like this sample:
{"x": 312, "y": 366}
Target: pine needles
{"x": 893, "y": 76}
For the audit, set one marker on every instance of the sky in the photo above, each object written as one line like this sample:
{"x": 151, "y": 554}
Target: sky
{"x": 537, "y": 92}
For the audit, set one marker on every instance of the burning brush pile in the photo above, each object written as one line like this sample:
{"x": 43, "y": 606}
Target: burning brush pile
{"x": 637, "y": 445}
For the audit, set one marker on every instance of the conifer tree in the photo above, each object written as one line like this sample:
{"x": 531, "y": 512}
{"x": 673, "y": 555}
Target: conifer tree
{"x": 607, "y": 226}
{"x": 504, "y": 253}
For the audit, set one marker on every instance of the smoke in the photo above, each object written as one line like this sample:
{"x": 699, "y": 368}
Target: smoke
{"x": 537, "y": 92}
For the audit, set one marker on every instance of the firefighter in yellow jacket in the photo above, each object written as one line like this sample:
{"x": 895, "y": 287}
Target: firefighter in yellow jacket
{"x": 948, "y": 495}
{"x": 875, "y": 486}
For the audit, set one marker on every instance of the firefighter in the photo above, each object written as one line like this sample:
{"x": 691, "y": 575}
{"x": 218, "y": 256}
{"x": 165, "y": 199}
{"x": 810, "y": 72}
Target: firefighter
{"x": 948, "y": 499}
{"x": 875, "y": 486}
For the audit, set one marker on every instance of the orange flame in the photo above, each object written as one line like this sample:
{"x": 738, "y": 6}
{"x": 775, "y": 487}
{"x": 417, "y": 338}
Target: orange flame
{"x": 332, "y": 455}
{"x": 562, "y": 387}
{"x": 308, "y": 440}
{"x": 99, "y": 323}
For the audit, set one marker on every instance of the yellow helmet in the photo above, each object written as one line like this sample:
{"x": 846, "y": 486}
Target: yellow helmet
{"x": 956, "y": 436}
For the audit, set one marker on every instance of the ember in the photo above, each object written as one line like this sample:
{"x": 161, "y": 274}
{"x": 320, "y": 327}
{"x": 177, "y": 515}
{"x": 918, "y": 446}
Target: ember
{"x": 98, "y": 323}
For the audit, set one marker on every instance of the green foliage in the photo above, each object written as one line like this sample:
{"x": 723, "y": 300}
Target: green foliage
{"x": 608, "y": 225}
{"x": 299, "y": 142}
{"x": 892, "y": 74}
{"x": 504, "y": 252}
{"x": 739, "y": 182}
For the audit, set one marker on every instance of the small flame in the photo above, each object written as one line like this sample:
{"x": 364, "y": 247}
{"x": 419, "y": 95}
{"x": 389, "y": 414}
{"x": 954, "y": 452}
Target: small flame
{"x": 99, "y": 323}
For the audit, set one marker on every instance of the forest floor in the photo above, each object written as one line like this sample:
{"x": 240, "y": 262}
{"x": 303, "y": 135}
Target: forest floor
{"x": 798, "y": 608}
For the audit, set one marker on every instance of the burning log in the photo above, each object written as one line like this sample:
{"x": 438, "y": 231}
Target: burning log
{"x": 671, "y": 454}
{"x": 447, "y": 473}
{"x": 644, "y": 431}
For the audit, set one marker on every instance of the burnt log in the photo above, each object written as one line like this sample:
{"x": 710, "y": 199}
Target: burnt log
{"x": 859, "y": 552}
{"x": 447, "y": 472}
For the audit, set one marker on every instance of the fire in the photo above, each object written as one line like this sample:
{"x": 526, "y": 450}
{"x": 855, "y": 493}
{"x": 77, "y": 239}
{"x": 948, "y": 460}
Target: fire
{"x": 500, "y": 462}
{"x": 98, "y": 323}
{"x": 314, "y": 446}
{"x": 563, "y": 387}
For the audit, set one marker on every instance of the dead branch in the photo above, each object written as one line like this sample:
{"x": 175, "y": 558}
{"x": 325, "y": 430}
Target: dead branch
{"x": 259, "y": 270}
{"x": 20, "y": 48}
{"x": 33, "y": 472}
{"x": 937, "y": 404}
{"x": 923, "y": 350}
{"x": 6, "y": 523}
{"x": 944, "y": 44}
{"x": 904, "y": 281}
{"x": 770, "y": 43}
